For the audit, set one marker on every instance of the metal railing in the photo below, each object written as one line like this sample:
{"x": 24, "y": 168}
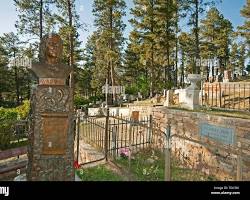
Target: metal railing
{"x": 121, "y": 132}
{"x": 233, "y": 96}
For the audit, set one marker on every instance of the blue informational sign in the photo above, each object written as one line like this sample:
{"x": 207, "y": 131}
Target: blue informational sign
{"x": 220, "y": 134}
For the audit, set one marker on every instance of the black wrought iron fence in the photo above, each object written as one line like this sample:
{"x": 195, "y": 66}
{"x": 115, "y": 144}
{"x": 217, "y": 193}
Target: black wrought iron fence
{"x": 122, "y": 133}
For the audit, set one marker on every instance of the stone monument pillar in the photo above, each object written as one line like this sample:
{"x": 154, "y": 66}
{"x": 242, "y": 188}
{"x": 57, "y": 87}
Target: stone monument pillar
{"x": 227, "y": 76}
{"x": 51, "y": 147}
{"x": 190, "y": 97}
{"x": 193, "y": 92}
{"x": 169, "y": 100}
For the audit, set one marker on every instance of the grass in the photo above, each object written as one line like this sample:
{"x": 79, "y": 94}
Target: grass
{"x": 14, "y": 144}
{"x": 98, "y": 173}
{"x": 142, "y": 170}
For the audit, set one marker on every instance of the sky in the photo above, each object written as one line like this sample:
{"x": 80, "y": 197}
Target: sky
{"x": 8, "y": 15}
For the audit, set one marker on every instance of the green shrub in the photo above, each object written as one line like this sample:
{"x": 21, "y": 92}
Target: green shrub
{"x": 95, "y": 98}
{"x": 23, "y": 110}
{"x": 8, "y": 118}
{"x": 79, "y": 101}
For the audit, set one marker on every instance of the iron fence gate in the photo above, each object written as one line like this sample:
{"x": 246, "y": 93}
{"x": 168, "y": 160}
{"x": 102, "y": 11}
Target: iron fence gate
{"x": 111, "y": 135}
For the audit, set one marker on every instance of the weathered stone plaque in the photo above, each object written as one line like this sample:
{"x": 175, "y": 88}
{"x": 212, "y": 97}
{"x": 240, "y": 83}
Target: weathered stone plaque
{"x": 217, "y": 133}
{"x": 51, "y": 134}
{"x": 54, "y": 133}
{"x": 135, "y": 116}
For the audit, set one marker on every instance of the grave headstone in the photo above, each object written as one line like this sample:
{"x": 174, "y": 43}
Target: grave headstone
{"x": 135, "y": 116}
{"x": 51, "y": 134}
{"x": 189, "y": 97}
{"x": 227, "y": 76}
{"x": 169, "y": 100}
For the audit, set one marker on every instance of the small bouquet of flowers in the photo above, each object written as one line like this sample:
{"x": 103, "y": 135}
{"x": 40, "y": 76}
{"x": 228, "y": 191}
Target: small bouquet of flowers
{"x": 124, "y": 152}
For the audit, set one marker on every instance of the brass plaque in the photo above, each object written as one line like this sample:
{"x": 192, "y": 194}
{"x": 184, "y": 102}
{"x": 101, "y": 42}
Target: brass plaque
{"x": 51, "y": 81}
{"x": 54, "y": 133}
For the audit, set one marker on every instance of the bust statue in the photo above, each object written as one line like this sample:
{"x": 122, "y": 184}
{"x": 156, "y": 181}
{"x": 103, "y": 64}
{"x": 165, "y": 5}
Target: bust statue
{"x": 50, "y": 65}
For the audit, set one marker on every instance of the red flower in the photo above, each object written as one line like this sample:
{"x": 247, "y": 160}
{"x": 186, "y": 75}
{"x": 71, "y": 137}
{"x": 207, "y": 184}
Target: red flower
{"x": 76, "y": 165}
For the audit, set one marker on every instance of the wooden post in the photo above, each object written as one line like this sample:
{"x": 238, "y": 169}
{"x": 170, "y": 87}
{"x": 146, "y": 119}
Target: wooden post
{"x": 106, "y": 134}
{"x": 168, "y": 153}
{"x": 78, "y": 136}
{"x": 220, "y": 93}
{"x": 234, "y": 97}
{"x": 239, "y": 163}
{"x": 130, "y": 147}
{"x": 114, "y": 141}
{"x": 244, "y": 96}
{"x": 224, "y": 96}
{"x": 239, "y": 98}
{"x": 216, "y": 95}
{"x": 150, "y": 129}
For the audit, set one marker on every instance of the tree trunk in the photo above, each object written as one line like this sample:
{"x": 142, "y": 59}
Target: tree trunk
{"x": 112, "y": 49}
{"x": 182, "y": 69}
{"x": 196, "y": 31}
{"x": 152, "y": 80}
{"x": 41, "y": 23}
{"x": 16, "y": 81}
{"x": 169, "y": 77}
{"x": 176, "y": 42}
{"x": 71, "y": 46}
{"x": 152, "y": 73}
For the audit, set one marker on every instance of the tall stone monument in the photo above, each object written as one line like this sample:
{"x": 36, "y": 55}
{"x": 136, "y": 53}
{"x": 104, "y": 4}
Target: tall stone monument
{"x": 51, "y": 147}
{"x": 189, "y": 97}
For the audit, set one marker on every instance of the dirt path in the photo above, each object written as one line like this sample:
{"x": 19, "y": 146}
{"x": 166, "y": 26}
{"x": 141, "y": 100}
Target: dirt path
{"x": 120, "y": 171}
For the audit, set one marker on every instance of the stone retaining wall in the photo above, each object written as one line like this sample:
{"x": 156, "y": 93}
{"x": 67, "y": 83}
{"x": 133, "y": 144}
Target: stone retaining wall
{"x": 124, "y": 111}
{"x": 208, "y": 155}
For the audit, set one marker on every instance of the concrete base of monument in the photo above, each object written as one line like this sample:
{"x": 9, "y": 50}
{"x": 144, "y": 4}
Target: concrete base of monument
{"x": 22, "y": 177}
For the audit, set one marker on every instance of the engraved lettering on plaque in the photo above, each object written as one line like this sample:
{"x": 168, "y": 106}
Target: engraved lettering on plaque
{"x": 54, "y": 133}
{"x": 220, "y": 134}
{"x": 51, "y": 81}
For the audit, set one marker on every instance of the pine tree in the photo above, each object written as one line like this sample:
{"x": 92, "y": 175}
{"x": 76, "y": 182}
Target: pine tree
{"x": 166, "y": 38}
{"x": 86, "y": 82}
{"x": 145, "y": 25}
{"x": 242, "y": 57}
{"x": 194, "y": 8}
{"x": 234, "y": 57}
{"x": 108, "y": 21}
{"x": 11, "y": 49}
{"x": 244, "y": 30}
{"x": 69, "y": 24}
{"x": 216, "y": 32}
{"x": 187, "y": 51}
{"x": 34, "y": 19}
